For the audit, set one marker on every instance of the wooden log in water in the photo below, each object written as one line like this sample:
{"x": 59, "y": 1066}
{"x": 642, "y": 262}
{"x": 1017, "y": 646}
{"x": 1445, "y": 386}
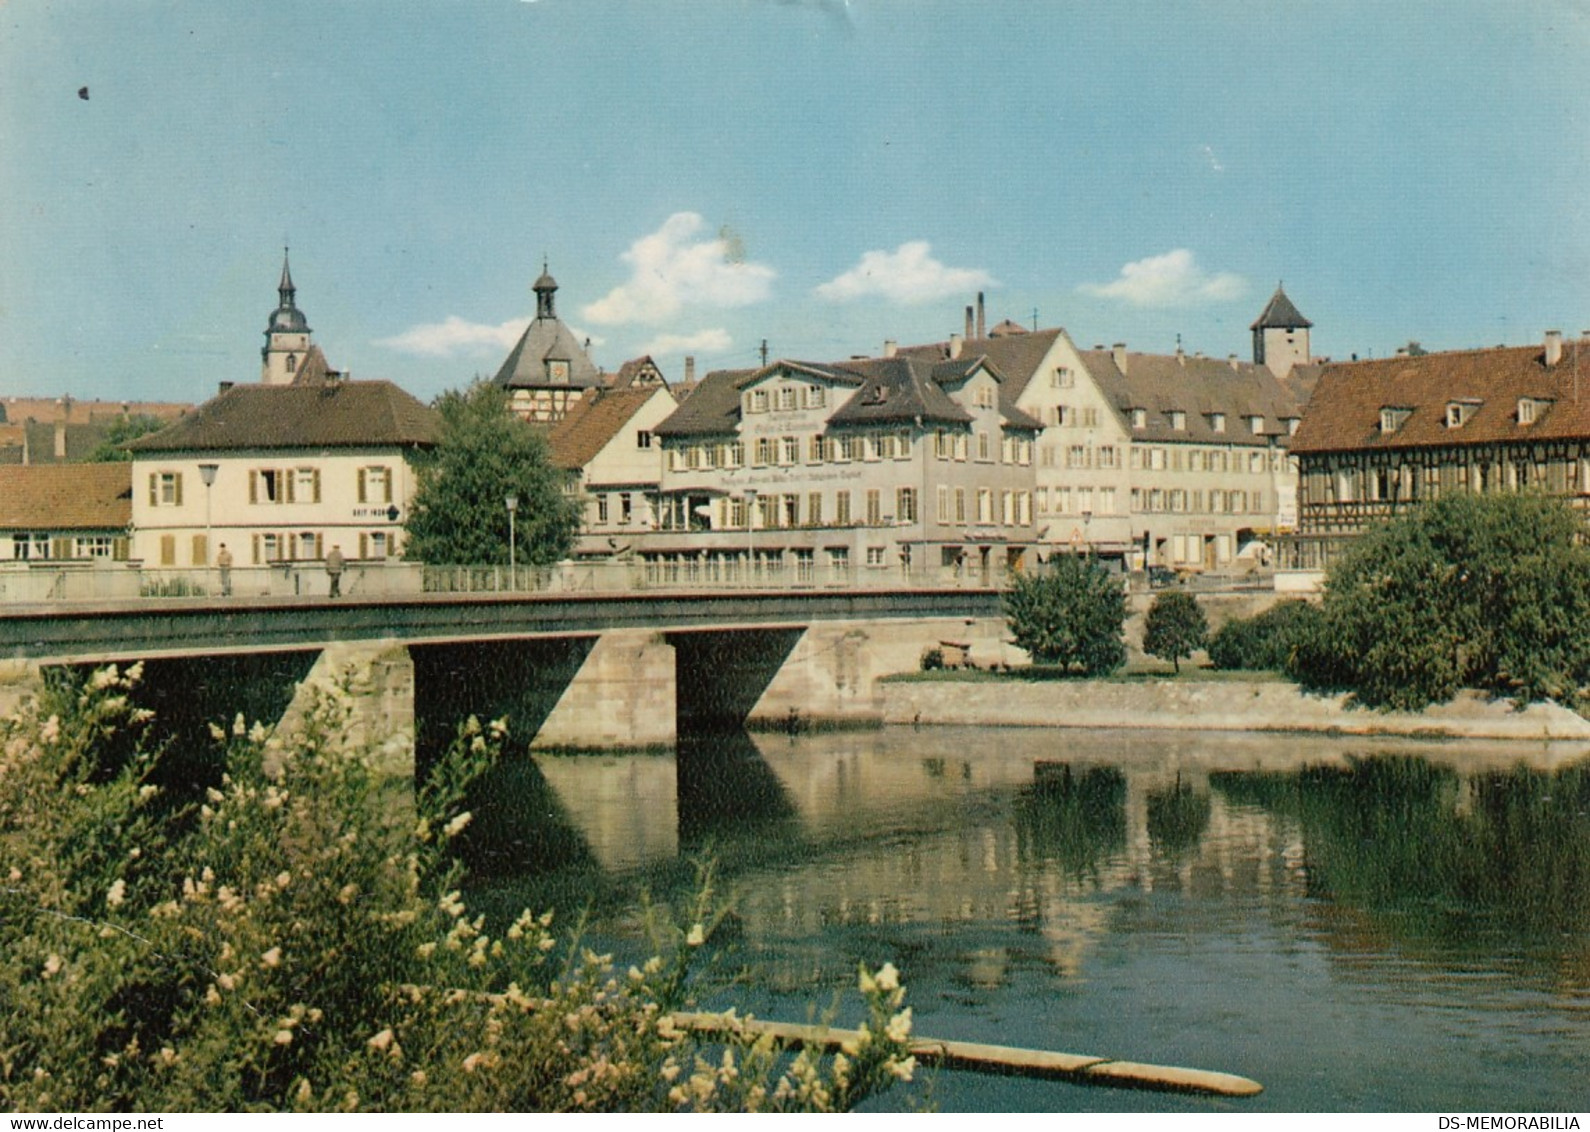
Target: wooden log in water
{"x": 1007, "y": 1060}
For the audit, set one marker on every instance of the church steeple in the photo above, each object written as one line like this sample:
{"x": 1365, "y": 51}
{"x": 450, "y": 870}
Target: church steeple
{"x": 286, "y": 335}
{"x": 545, "y": 287}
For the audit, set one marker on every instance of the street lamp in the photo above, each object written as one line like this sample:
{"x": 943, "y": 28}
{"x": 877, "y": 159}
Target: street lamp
{"x": 207, "y": 475}
{"x": 512, "y": 503}
{"x": 1087, "y": 541}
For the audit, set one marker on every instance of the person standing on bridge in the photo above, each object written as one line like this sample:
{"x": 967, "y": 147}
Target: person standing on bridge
{"x": 334, "y": 571}
{"x": 223, "y": 562}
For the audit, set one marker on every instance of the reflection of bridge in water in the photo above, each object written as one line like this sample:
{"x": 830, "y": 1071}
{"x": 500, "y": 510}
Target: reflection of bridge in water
{"x": 1046, "y": 830}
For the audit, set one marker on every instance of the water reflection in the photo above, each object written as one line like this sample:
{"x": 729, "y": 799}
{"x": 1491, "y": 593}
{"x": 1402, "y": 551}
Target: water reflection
{"x": 1294, "y": 909}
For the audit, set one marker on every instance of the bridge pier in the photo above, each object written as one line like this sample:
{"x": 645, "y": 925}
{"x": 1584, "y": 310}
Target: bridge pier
{"x": 623, "y": 695}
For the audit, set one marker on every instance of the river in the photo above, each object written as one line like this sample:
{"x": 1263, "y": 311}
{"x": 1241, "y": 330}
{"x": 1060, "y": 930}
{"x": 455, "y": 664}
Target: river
{"x": 1357, "y": 924}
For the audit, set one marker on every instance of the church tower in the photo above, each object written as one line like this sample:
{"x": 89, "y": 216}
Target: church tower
{"x": 1280, "y": 336}
{"x": 286, "y": 337}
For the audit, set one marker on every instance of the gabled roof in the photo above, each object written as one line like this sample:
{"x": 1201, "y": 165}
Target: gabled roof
{"x": 1344, "y": 412}
{"x": 1197, "y": 387}
{"x": 343, "y": 414}
{"x": 638, "y": 371}
{"x": 1280, "y": 314}
{"x": 594, "y": 421}
{"x": 314, "y": 369}
{"x": 543, "y": 339}
{"x": 1016, "y": 356}
{"x": 66, "y": 497}
{"x": 712, "y": 408}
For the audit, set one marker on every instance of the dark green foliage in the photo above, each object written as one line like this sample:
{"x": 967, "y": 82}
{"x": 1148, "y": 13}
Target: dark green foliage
{"x": 484, "y": 455}
{"x": 121, "y": 430}
{"x": 1265, "y": 642}
{"x": 1489, "y": 592}
{"x": 1175, "y": 628}
{"x": 1069, "y": 615}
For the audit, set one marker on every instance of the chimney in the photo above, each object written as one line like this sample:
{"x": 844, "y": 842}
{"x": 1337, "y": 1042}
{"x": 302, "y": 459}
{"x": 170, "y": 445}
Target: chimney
{"x": 223, "y": 386}
{"x": 982, "y": 327}
{"x": 1119, "y": 352}
{"x": 690, "y": 368}
{"x": 1553, "y": 347}
{"x": 955, "y": 339}
{"x": 890, "y": 347}
{"x": 968, "y": 322}
{"x": 60, "y": 439}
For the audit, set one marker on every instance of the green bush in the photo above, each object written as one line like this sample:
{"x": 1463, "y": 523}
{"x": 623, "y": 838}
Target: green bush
{"x": 1070, "y": 615}
{"x": 293, "y": 937}
{"x": 1264, "y": 642}
{"x": 1174, "y": 628}
{"x": 1488, "y": 592}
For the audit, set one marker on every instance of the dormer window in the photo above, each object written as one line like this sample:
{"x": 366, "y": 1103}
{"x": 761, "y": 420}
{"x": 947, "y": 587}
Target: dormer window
{"x": 1217, "y": 422}
{"x": 1459, "y": 412}
{"x": 1392, "y": 418}
{"x": 1256, "y": 425}
{"x": 1139, "y": 418}
{"x": 983, "y": 397}
{"x": 1291, "y": 425}
{"x": 1178, "y": 420}
{"x": 1531, "y": 409}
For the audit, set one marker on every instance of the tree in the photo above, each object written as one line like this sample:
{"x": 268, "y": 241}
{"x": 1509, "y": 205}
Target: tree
{"x": 1489, "y": 592}
{"x": 124, "y": 428}
{"x": 485, "y": 454}
{"x": 1264, "y": 642}
{"x": 1175, "y": 627}
{"x": 1070, "y": 615}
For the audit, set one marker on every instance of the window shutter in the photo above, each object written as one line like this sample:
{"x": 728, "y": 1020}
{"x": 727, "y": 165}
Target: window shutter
{"x": 60, "y": 548}
{"x": 317, "y": 485}
{"x": 256, "y": 550}
{"x": 362, "y": 499}
{"x": 364, "y": 545}
{"x": 201, "y": 551}
{"x": 390, "y": 475}
{"x": 154, "y": 489}
{"x": 119, "y": 548}
{"x": 253, "y": 489}
{"x": 168, "y": 550}
{"x": 289, "y": 475}
{"x": 178, "y": 478}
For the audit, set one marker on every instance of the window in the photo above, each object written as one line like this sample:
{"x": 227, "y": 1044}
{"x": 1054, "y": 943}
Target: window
{"x": 842, "y": 508}
{"x": 905, "y": 505}
{"x": 983, "y": 448}
{"x": 1178, "y": 420}
{"x": 816, "y": 396}
{"x": 876, "y": 557}
{"x": 758, "y": 401}
{"x": 643, "y": 438}
{"x": 1043, "y": 501}
{"x": 375, "y": 485}
{"x": 1256, "y": 425}
{"x": 1217, "y": 422}
{"x": 1139, "y": 418}
{"x": 1530, "y": 409}
{"x": 960, "y": 446}
{"x": 626, "y": 507}
{"x": 985, "y": 505}
{"x": 735, "y": 455}
{"x": 308, "y": 545}
{"x": 902, "y": 444}
{"x": 983, "y": 395}
{"x": 791, "y": 514}
{"x": 874, "y": 507}
{"x": 1255, "y": 462}
{"x": 165, "y": 489}
{"x": 764, "y": 450}
{"x": 93, "y": 546}
{"x": 1077, "y": 456}
{"x": 943, "y": 504}
{"x": 601, "y": 508}
{"x": 1064, "y": 416}
{"x": 839, "y": 560}
{"x": 814, "y": 508}
{"x": 1062, "y": 378}
{"x": 1109, "y": 457}
{"x": 943, "y": 444}
{"x": 789, "y": 449}
{"x": 1090, "y": 418}
{"x": 267, "y": 548}
{"x": 814, "y": 450}
{"x": 960, "y": 505}
{"x": 786, "y": 397}
{"x": 767, "y": 510}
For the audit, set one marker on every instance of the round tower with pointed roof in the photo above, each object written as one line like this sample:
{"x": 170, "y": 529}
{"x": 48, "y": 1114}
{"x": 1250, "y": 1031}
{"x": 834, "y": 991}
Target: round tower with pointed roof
{"x": 286, "y": 335}
{"x": 1280, "y": 336}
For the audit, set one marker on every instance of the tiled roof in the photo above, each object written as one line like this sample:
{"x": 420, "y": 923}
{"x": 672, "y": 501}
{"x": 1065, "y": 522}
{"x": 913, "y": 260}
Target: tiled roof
{"x": 1279, "y": 314}
{"x": 66, "y": 497}
{"x": 1344, "y": 412}
{"x": 637, "y": 371}
{"x": 712, "y": 408}
{"x": 1199, "y": 388}
{"x": 526, "y": 364}
{"x": 1016, "y": 356}
{"x": 900, "y": 389}
{"x": 344, "y": 414}
{"x": 595, "y": 419}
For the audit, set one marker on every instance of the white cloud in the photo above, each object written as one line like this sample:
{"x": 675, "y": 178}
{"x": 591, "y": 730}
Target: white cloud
{"x": 454, "y": 336}
{"x": 1170, "y": 280}
{"x": 673, "y": 267}
{"x": 907, "y": 275}
{"x": 714, "y": 341}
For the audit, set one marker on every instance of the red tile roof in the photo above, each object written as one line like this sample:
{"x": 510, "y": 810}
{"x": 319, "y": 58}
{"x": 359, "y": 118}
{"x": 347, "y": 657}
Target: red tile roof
{"x": 340, "y": 414}
{"x": 66, "y": 497}
{"x": 1344, "y": 412}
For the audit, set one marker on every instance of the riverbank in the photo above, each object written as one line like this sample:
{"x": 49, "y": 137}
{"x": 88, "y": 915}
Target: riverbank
{"x": 1225, "y": 705}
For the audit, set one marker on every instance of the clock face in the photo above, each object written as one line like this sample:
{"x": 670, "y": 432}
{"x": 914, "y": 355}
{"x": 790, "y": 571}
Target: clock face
{"x": 558, "y": 371}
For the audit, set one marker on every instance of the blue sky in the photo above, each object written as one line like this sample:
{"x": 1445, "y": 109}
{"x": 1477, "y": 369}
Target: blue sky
{"x": 822, "y": 174}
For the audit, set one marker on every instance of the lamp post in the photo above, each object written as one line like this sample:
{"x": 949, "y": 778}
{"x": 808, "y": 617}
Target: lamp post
{"x": 750, "y": 528}
{"x": 207, "y": 475}
{"x": 512, "y": 503}
{"x": 1087, "y": 540}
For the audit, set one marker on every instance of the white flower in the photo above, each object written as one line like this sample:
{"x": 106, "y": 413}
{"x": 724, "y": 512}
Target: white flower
{"x": 899, "y": 1028}
{"x": 456, "y": 826}
{"x": 117, "y": 893}
{"x": 103, "y": 678}
{"x": 271, "y": 958}
{"x": 381, "y": 1041}
{"x": 51, "y": 731}
{"x": 888, "y": 978}
{"x": 239, "y": 726}
{"x": 284, "y": 1037}
{"x": 52, "y": 965}
{"x": 697, "y": 936}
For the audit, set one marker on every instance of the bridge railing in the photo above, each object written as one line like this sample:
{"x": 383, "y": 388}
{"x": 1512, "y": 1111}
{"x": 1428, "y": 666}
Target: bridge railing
{"x": 46, "y": 583}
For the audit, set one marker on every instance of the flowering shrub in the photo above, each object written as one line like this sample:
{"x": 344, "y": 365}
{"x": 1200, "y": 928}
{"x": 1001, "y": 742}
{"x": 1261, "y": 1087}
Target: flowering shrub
{"x": 292, "y": 936}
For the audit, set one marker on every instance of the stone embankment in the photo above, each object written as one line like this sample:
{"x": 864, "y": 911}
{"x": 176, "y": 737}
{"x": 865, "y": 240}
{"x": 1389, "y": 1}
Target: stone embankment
{"x": 1208, "y": 705}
